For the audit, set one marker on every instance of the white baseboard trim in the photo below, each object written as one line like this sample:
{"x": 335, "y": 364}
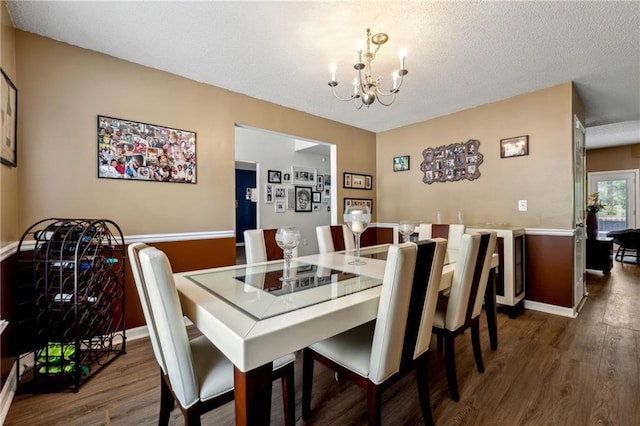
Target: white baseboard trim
{"x": 7, "y": 394}
{"x": 550, "y": 309}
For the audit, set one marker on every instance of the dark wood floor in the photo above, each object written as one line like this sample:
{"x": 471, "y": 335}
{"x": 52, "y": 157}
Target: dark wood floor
{"x": 548, "y": 370}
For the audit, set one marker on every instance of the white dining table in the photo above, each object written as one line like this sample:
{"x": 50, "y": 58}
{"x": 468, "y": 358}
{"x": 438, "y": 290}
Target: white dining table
{"x": 253, "y": 318}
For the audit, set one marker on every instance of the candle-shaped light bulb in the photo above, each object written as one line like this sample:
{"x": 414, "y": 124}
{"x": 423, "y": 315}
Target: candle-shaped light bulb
{"x": 395, "y": 80}
{"x": 332, "y": 68}
{"x": 355, "y": 86}
{"x": 403, "y": 55}
{"x": 359, "y": 50}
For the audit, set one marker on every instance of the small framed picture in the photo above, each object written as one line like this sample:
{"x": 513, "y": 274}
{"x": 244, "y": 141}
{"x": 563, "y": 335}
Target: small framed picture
{"x": 347, "y": 180}
{"x": 317, "y": 207}
{"x": 303, "y": 198}
{"x": 275, "y": 176}
{"x": 9, "y": 155}
{"x": 303, "y": 175}
{"x": 514, "y": 147}
{"x": 269, "y": 194}
{"x": 280, "y": 206}
{"x": 280, "y": 192}
{"x": 320, "y": 183}
{"x": 286, "y": 177}
{"x": 317, "y": 197}
{"x": 401, "y": 164}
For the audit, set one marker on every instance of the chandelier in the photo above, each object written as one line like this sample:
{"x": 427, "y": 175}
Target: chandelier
{"x": 366, "y": 89}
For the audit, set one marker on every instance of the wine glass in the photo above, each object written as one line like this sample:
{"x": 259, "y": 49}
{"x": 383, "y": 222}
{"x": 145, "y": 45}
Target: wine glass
{"x": 406, "y": 228}
{"x": 357, "y": 219}
{"x": 287, "y": 238}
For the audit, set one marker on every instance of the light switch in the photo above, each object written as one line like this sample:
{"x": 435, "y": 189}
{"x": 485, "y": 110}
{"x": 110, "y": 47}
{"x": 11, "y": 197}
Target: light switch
{"x": 522, "y": 205}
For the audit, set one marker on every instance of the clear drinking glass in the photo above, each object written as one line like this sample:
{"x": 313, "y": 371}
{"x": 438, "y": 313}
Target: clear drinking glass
{"x": 287, "y": 238}
{"x": 357, "y": 218}
{"x": 406, "y": 228}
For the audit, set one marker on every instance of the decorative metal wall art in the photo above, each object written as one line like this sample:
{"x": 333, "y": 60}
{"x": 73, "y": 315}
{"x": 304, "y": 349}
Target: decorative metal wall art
{"x": 449, "y": 163}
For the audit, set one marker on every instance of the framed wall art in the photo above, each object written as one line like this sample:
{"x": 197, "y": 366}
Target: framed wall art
{"x": 303, "y": 198}
{"x": 358, "y": 202}
{"x": 357, "y": 181}
{"x": 450, "y": 163}
{"x": 9, "y": 136}
{"x": 317, "y": 197}
{"x": 274, "y": 176}
{"x": 303, "y": 175}
{"x": 140, "y": 151}
{"x": 269, "y": 193}
{"x": 401, "y": 164}
{"x": 514, "y": 147}
{"x": 280, "y": 206}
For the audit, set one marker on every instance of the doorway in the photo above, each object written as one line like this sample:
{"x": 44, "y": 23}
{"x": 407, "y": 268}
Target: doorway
{"x": 246, "y": 214}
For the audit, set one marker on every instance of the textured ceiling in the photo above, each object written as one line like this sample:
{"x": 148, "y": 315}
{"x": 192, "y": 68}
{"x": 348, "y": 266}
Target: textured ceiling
{"x": 460, "y": 54}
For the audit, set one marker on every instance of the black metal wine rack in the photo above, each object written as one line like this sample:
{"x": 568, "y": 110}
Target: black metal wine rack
{"x": 69, "y": 302}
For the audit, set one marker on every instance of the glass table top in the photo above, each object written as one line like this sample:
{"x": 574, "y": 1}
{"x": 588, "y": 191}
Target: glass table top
{"x": 258, "y": 291}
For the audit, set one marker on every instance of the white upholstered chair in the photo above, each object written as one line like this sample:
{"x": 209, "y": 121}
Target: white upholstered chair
{"x": 452, "y": 232}
{"x": 260, "y": 246}
{"x": 461, "y": 308}
{"x": 193, "y": 372}
{"x": 334, "y": 238}
{"x": 375, "y": 354}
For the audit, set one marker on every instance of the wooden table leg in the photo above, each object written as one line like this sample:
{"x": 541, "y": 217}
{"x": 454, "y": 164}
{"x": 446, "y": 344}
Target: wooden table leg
{"x": 491, "y": 309}
{"x": 253, "y": 395}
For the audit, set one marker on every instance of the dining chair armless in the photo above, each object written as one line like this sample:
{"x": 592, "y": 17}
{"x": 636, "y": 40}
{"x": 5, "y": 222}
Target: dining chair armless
{"x": 334, "y": 238}
{"x": 260, "y": 246}
{"x": 461, "y": 308}
{"x": 376, "y": 354}
{"x": 452, "y": 232}
{"x": 193, "y": 372}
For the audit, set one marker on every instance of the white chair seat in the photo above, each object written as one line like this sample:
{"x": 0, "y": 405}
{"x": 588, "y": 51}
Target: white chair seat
{"x": 351, "y": 349}
{"x": 214, "y": 371}
{"x": 441, "y": 311}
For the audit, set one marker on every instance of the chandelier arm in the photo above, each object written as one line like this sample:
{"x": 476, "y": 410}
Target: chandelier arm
{"x": 356, "y": 104}
{"x": 390, "y": 102}
{"x": 333, "y": 90}
{"x": 393, "y": 91}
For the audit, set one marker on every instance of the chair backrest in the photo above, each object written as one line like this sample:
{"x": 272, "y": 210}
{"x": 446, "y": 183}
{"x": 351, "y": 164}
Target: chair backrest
{"x": 334, "y": 238}
{"x": 260, "y": 246}
{"x": 462, "y": 281}
{"x": 388, "y": 335}
{"x": 164, "y": 304}
{"x": 487, "y": 247}
{"x": 134, "y": 261}
{"x": 428, "y": 274}
{"x": 452, "y": 232}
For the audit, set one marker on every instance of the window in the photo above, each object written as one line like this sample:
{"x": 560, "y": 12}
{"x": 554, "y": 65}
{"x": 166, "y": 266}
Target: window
{"x": 618, "y": 191}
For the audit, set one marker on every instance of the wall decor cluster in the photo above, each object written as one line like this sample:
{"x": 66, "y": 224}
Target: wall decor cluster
{"x": 309, "y": 192}
{"x": 140, "y": 151}
{"x": 449, "y": 163}
{"x": 9, "y": 136}
{"x": 514, "y": 147}
{"x": 358, "y": 202}
{"x": 357, "y": 181}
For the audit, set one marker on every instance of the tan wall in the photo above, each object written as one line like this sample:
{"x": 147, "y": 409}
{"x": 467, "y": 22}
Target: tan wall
{"x": 624, "y": 157}
{"x": 543, "y": 178}
{"x": 9, "y": 175}
{"x": 64, "y": 88}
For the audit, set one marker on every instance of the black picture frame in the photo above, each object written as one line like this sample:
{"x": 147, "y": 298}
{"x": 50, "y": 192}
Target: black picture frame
{"x": 274, "y": 176}
{"x": 9, "y": 135}
{"x": 349, "y": 201}
{"x": 514, "y": 147}
{"x": 133, "y": 150}
{"x": 303, "y": 199}
{"x": 401, "y": 163}
{"x": 317, "y": 197}
{"x": 357, "y": 181}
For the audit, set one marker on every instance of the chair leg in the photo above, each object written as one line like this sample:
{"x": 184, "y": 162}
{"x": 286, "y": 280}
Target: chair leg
{"x": 373, "y": 404}
{"x": 289, "y": 396}
{"x": 475, "y": 342}
{"x": 422, "y": 378}
{"x": 450, "y": 363}
{"x": 307, "y": 382}
{"x": 192, "y": 416}
{"x": 439, "y": 343}
{"x": 167, "y": 401}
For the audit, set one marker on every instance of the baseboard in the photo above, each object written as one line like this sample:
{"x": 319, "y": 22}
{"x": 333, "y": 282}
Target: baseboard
{"x": 550, "y": 309}
{"x": 7, "y": 393}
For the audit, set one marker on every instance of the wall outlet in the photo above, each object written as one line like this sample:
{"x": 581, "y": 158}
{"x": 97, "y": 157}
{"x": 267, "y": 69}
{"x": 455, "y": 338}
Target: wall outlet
{"x": 522, "y": 205}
